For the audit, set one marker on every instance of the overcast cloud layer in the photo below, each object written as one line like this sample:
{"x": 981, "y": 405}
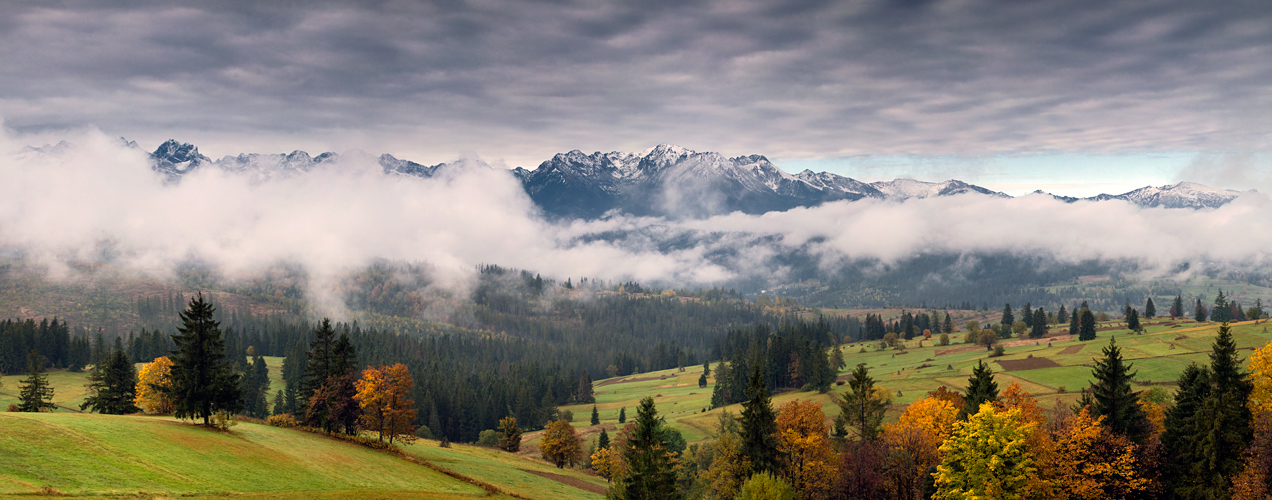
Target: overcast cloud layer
{"x": 520, "y": 81}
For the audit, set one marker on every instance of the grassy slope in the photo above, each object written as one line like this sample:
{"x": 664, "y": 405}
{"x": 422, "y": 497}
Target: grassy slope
{"x": 504, "y": 470}
{"x": 680, "y": 399}
{"x": 101, "y": 454}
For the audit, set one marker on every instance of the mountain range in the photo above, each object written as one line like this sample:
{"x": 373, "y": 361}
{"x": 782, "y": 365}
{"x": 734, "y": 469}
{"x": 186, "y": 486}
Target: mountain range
{"x": 668, "y": 181}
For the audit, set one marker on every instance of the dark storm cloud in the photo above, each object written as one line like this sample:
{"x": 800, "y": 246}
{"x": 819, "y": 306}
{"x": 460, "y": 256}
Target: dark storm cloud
{"x": 522, "y": 80}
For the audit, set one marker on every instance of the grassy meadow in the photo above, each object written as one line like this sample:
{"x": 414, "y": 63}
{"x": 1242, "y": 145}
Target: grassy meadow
{"x": 1053, "y": 369}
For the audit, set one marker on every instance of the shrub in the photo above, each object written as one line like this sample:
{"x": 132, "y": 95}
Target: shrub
{"x": 444, "y": 443}
{"x": 285, "y": 420}
{"x": 488, "y": 437}
{"x": 13, "y": 407}
{"x": 1061, "y": 389}
{"x": 223, "y": 420}
{"x": 766, "y": 486}
{"x": 998, "y": 351}
{"x": 424, "y": 432}
{"x": 566, "y": 415}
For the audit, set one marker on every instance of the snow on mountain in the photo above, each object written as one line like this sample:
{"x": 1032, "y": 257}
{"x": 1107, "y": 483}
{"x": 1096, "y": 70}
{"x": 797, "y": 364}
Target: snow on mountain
{"x": 905, "y": 189}
{"x": 665, "y": 180}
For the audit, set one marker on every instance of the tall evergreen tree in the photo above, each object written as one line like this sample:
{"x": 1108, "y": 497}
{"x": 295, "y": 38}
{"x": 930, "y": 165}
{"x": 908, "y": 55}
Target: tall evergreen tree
{"x": 1221, "y": 312}
{"x": 981, "y": 388}
{"x": 113, "y": 385}
{"x": 860, "y": 408}
{"x": 603, "y": 441}
{"x": 1074, "y": 328}
{"x": 1027, "y": 315}
{"x": 596, "y": 416}
{"x": 34, "y": 393}
{"x": 1086, "y": 325}
{"x": 1008, "y": 317}
{"x": 759, "y": 425}
{"x": 319, "y": 360}
{"x": 1150, "y": 309}
{"x": 1132, "y": 319}
{"x": 1113, "y": 397}
{"x": 622, "y": 415}
{"x": 1177, "y": 309}
{"x": 948, "y": 326}
{"x": 1039, "y": 324}
{"x": 1062, "y": 315}
{"x": 650, "y": 474}
{"x": 1200, "y": 312}
{"x": 202, "y": 380}
{"x": 1210, "y": 424}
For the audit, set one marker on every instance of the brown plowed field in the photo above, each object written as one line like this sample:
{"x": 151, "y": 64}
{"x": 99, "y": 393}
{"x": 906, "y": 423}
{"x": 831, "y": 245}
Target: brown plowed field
{"x": 1012, "y": 365}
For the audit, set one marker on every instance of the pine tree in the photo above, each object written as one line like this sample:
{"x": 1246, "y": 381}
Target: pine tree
{"x": 603, "y": 440}
{"x": 622, "y": 415}
{"x": 1132, "y": 320}
{"x": 948, "y": 326}
{"x": 1200, "y": 312}
{"x": 202, "y": 381}
{"x": 34, "y": 393}
{"x": 596, "y": 416}
{"x": 759, "y": 425}
{"x": 651, "y": 474}
{"x": 981, "y": 388}
{"x": 1027, "y": 315}
{"x": 113, "y": 385}
{"x": 860, "y": 407}
{"x": 1177, "y": 310}
{"x": 1150, "y": 309}
{"x": 1210, "y": 424}
{"x": 1062, "y": 316}
{"x": 1074, "y": 328}
{"x": 706, "y": 368}
{"x": 1086, "y": 325}
{"x": 1221, "y": 312}
{"x": 1039, "y": 324}
{"x": 1113, "y": 398}
{"x": 318, "y": 365}
{"x": 1008, "y": 317}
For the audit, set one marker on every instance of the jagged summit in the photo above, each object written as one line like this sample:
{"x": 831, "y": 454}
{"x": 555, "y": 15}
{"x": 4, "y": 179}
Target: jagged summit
{"x": 665, "y": 180}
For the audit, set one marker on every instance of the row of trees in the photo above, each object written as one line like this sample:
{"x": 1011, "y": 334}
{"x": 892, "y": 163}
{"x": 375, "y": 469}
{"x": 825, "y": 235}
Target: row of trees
{"x": 793, "y": 356}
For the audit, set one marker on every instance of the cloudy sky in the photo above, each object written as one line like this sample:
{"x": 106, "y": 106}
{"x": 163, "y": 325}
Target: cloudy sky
{"x": 1073, "y": 97}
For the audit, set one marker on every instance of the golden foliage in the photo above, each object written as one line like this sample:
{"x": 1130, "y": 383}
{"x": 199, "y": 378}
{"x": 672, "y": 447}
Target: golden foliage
{"x": 384, "y": 393}
{"x": 807, "y": 457}
{"x": 730, "y": 468}
{"x": 1083, "y": 460}
{"x": 152, "y": 380}
{"x": 1260, "y": 401}
{"x": 986, "y": 457}
{"x": 560, "y": 444}
{"x": 607, "y": 463}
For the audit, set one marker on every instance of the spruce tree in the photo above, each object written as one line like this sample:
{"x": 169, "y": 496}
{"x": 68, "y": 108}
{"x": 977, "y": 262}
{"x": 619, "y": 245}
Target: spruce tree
{"x": 1132, "y": 320}
{"x": 981, "y": 388}
{"x": 1177, "y": 310}
{"x": 1113, "y": 398}
{"x": 759, "y": 425}
{"x": 202, "y": 380}
{"x": 1086, "y": 325}
{"x": 1074, "y": 328}
{"x": 622, "y": 415}
{"x": 1008, "y": 317}
{"x": 1039, "y": 324}
{"x": 651, "y": 474}
{"x": 1150, "y": 309}
{"x": 1200, "y": 312}
{"x": 596, "y": 416}
{"x": 1027, "y": 315}
{"x": 948, "y": 327}
{"x": 1062, "y": 316}
{"x": 860, "y": 408}
{"x": 318, "y": 365}
{"x": 602, "y": 441}
{"x": 1221, "y": 311}
{"x": 113, "y": 385}
{"x": 34, "y": 393}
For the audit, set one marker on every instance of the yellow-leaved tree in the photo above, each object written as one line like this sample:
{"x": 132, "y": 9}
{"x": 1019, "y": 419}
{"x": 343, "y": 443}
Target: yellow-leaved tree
{"x": 560, "y": 444}
{"x": 607, "y": 463}
{"x": 808, "y": 460}
{"x": 1260, "y": 401}
{"x": 1087, "y": 461}
{"x": 987, "y": 456}
{"x": 384, "y": 393}
{"x": 920, "y": 431}
{"x": 153, "y": 380}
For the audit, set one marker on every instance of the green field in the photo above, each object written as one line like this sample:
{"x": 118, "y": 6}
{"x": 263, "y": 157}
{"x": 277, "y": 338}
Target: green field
{"x": 1159, "y": 355}
{"x": 85, "y": 454}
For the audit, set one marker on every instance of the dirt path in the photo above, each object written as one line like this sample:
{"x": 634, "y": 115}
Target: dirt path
{"x": 571, "y": 481}
{"x": 1073, "y": 349}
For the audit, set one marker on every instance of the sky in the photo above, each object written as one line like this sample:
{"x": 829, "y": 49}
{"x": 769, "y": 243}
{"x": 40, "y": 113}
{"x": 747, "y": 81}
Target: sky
{"x": 1077, "y": 97}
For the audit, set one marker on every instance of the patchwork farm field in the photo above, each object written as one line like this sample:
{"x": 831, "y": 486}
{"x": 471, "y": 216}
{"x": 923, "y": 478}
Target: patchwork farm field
{"x": 1053, "y": 369}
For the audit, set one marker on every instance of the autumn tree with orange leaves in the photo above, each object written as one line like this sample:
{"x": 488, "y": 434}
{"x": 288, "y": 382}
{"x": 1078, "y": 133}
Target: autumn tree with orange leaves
{"x": 915, "y": 441}
{"x": 384, "y": 393}
{"x": 560, "y": 444}
{"x": 808, "y": 460}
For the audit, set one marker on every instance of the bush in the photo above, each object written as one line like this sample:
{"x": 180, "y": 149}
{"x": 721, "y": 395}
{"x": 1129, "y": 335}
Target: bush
{"x": 423, "y": 432}
{"x": 13, "y": 407}
{"x": 766, "y": 486}
{"x": 566, "y": 415}
{"x": 444, "y": 443}
{"x": 998, "y": 351}
{"x": 488, "y": 437}
{"x": 223, "y": 420}
{"x": 285, "y": 420}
